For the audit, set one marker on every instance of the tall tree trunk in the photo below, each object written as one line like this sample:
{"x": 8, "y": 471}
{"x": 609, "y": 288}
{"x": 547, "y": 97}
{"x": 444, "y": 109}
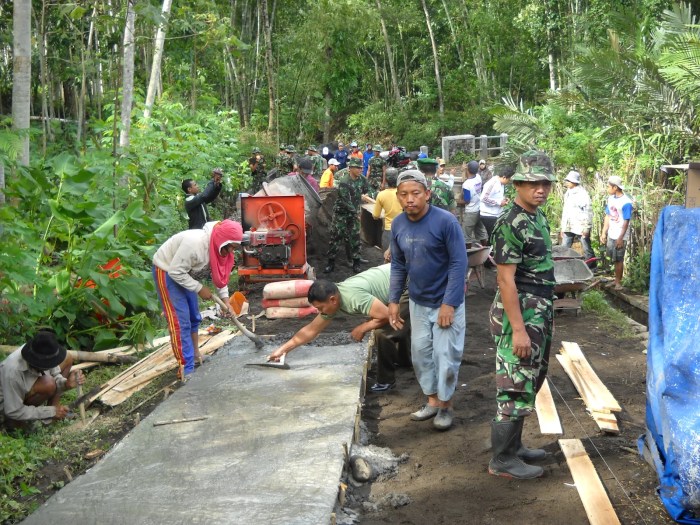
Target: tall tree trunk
{"x": 127, "y": 75}
{"x": 2, "y": 186}
{"x": 327, "y": 106}
{"x": 157, "y": 58}
{"x": 22, "y": 73}
{"x": 269, "y": 66}
{"x": 441, "y": 101}
{"x": 47, "y": 132}
{"x": 389, "y": 56}
{"x": 458, "y": 46}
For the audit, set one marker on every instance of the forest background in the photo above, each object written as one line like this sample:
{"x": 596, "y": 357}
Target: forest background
{"x": 106, "y": 105}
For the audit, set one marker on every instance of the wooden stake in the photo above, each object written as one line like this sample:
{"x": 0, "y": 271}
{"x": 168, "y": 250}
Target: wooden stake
{"x": 176, "y": 421}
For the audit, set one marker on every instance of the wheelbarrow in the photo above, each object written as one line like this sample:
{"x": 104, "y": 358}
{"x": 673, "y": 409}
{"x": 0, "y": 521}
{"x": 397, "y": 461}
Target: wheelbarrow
{"x": 571, "y": 276}
{"x": 476, "y": 257}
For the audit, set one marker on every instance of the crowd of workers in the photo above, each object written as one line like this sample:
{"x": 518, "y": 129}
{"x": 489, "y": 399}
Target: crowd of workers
{"x": 415, "y": 303}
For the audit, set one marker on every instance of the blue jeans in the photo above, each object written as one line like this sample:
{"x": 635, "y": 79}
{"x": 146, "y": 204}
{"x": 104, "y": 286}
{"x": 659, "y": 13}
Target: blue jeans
{"x": 436, "y": 352}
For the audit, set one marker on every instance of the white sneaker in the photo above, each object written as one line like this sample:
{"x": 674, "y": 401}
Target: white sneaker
{"x": 443, "y": 419}
{"x": 425, "y": 413}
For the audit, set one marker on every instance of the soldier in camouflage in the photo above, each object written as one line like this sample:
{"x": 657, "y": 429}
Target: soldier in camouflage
{"x": 345, "y": 228}
{"x": 317, "y": 161}
{"x": 280, "y": 159}
{"x": 440, "y": 193}
{"x": 521, "y": 314}
{"x": 257, "y": 170}
{"x": 376, "y": 172}
{"x": 290, "y": 160}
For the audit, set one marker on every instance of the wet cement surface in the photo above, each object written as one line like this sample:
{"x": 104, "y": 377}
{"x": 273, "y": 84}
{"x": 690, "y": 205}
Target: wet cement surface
{"x": 270, "y": 450}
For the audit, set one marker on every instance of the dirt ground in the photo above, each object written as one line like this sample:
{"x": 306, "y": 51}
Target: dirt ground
{"x": 445, "y": 477}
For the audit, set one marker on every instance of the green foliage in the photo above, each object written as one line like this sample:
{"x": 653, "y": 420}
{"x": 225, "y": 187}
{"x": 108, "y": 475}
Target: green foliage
{"x": 638, "y": 272}
{"x": 594, "y": 301}
{"x": 20, "y": 459}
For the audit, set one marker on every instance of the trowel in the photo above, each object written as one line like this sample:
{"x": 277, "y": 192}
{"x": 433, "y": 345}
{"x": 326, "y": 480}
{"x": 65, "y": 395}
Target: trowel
{"x": 272, "y": 364}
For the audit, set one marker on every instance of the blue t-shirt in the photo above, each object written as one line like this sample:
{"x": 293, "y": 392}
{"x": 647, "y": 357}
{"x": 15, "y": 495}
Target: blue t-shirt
{"x": 342, "y": 157}
{"x": 366, "y": 156}
{"x": 432, "y": 254}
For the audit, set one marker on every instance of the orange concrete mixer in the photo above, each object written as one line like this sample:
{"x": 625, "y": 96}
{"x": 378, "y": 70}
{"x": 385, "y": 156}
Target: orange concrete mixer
{"x": 274, "y": 242}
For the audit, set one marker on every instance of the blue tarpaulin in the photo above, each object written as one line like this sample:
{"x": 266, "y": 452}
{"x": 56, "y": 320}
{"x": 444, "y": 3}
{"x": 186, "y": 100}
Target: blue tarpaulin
{"x": 672, "y": 439}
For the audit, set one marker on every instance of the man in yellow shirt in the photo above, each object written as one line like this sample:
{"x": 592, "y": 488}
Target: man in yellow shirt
{"x": 327, "y": 177}
{"x": 389, "y": 204}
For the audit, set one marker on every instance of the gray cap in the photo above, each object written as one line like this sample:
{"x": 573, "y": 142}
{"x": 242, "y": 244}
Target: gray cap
{"x": 306, "y": 166}
{"x": 412, "y": 176}
{"x": 473, "y": 167}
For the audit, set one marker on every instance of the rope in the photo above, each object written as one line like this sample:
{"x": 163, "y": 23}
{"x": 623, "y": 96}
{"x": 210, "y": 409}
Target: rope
{"x": 600, "y": 455}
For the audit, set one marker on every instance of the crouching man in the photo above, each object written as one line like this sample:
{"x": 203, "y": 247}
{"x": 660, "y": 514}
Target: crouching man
{"x": 364, "y": 295}
{"x": 32, "y": 380}
{"x": 521, "y": 315}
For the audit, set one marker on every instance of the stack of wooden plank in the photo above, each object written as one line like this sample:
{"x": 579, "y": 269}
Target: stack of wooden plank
{"x": 135, "y": 378}
{"x": 600, "y": 403}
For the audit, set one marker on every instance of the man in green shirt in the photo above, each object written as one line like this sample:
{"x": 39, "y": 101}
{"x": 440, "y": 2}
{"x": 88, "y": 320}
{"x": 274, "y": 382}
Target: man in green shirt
{"x": 364, "y": 295}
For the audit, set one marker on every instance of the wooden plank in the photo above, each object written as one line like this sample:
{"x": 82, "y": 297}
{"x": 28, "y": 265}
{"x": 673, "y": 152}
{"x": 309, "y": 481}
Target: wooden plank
{"x": 547, "y": 412}
{"x": 601, "y": 392}
{"x": 579, "y": 384}
{"x": 164, "y": 362}
{"x": 590, "y": 489}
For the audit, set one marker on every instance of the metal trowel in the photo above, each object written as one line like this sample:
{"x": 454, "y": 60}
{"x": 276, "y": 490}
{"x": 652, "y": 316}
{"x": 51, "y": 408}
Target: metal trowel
{"x": 272, "y": 364}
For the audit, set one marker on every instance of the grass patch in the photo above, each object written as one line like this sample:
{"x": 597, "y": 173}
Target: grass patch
{"x": 594, "y": 301}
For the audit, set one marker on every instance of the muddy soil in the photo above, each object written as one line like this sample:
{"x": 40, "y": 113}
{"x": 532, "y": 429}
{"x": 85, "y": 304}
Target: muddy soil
{"x": 446, "y": 477}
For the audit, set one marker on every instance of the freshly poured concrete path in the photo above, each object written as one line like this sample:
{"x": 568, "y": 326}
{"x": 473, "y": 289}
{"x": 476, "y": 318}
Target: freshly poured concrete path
{"x": 270, "y": 452}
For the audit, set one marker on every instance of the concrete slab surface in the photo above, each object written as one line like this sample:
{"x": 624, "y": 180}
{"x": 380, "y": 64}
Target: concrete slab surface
{"x": 270, "y": 450}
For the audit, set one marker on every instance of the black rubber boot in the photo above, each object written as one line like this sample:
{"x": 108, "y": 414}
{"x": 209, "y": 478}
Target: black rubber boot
{"x": 528, "y": 454}
{"x": 505, "y": 436}
{"x": 330, "y": 266}
{"x": 356, "y": 266}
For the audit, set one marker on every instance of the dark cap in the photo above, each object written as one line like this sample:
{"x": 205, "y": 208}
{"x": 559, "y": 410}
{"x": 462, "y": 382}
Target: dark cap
{"x": 306, "y": 166}
{"x": 354, "y": 162}
{"x": 412, "y": 176}
{"x": 427, "y": 162}
{"x": 473, "y": 167}
{"x": 43, "y": 351}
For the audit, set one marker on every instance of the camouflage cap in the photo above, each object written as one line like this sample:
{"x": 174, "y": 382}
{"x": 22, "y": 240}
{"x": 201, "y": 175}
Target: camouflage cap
{"x": 377, "y": 147}
{"x": 534, "y": 166}
{"x": 256, "y": 150}
{"x": 282, "y": 146}
{"x": 290, "y": 148}
{"x": 313, "y": 147}
{"x": 354, "y": 162}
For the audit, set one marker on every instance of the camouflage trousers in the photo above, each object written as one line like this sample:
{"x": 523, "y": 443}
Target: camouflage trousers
{"x": 345, "y": 229}
{"x": 519, "y": 380}
{"x": 374, "y": 184}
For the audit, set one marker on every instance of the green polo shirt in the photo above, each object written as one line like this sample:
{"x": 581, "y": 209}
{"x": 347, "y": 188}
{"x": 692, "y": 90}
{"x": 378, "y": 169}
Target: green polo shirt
{"x": 358, "y": 292}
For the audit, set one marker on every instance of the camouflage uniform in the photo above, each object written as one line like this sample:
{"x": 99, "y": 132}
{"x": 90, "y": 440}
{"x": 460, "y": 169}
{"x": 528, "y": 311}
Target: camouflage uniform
{"x": 375, "y": 175}
{"x": 441, "y": 195}
{"x": 280, "y": 160}
{"x": 287, "y": 164}
{"x": 259, "y": 173}
{"x": 346, "y": 219}
{"x": 523, "y": 239}
{"x": 317, "y": 161}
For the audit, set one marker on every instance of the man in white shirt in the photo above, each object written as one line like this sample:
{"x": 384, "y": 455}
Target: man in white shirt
{"x": 472, "y": 227}
{"x": 493, "y": 199}
{"x": 577, "y": 214}
{"x": 616, "y": 231}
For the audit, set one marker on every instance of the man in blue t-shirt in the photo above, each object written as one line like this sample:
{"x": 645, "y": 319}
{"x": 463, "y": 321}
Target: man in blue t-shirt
{"x": 341, "y": 155}
{"x": 366, "y": 157}
{"x": 427, "y": 248}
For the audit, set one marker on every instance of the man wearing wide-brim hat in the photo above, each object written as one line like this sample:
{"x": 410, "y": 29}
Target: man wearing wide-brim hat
{"x": 32, "y": 380}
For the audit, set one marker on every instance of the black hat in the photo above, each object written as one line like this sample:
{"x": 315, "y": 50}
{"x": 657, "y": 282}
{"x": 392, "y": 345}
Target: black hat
{"x": 43, "y": 351}
{"x": 306, "y": 166}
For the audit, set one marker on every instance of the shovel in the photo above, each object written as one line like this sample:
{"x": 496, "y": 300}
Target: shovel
{"x": 250, "y": 335}
{"x": 272, "y": 364}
